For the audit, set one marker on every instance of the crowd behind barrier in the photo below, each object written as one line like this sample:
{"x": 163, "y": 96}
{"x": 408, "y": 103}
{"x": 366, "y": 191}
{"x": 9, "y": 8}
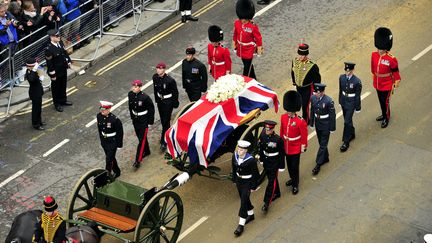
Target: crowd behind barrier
{"x": 93, "y": 21}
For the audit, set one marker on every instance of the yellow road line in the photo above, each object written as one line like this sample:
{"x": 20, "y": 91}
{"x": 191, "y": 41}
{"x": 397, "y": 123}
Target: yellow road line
{"x": 151, "y": 41}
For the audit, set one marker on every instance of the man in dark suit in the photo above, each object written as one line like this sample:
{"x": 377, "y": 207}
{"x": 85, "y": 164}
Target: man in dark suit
{"x": 35, "y": 92}
{"x": 350, "y": 87}
{"x": 58, "y": 61}
{"x": 323, "y": 117}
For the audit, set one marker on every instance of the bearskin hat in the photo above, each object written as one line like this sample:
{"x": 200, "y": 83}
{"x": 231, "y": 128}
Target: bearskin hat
{"x": 383, "y": 38}
{"x": 215, "y": 33}
{"x": 245, "y": 9}
{"x": 292, "y": 101}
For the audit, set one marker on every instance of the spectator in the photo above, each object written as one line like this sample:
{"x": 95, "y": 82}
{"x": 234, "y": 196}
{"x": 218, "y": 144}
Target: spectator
{"x": 16, "y": 11}
{"x": 8, "y": 32}
{"x": 32, "y": 20}
{"x": 51, "y": 17}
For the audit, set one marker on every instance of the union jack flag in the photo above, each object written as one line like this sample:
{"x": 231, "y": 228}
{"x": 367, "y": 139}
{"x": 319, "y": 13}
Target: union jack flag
{"x": 205, "y": 126}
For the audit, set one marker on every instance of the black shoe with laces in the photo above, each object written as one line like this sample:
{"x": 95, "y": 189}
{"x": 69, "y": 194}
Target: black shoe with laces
{"x": 239, "y": 230}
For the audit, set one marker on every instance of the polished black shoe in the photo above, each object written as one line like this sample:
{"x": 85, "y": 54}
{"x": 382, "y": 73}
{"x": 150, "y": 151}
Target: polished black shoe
{"x": 263, "y": 2}
{"x": 316, "y": 170}
{"x": 295, "y": 190}
{"x": 239, "y": 230}
{"x": 250, "y": 218}
{"x": 68, "y": 103}
{"x": 59, "y": 108}
{"x": 191, "y": 18}
{"x": 40, "y": 128}
{"x": 136, "y": 165}
{"x": 183, "y": 19}
{"x": 344, "y": 147}
{"x": 265, "y": 208}
{"x": 379, "y": 118}
{"x": 384, "y": 123}
{"x": 288, "y": 183}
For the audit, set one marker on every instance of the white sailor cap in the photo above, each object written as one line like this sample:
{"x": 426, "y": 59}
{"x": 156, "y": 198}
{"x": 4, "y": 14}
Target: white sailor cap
{"x": 428, "y": 238}
{"x": 243, "y": 144}
{"x": 105, "y": 104}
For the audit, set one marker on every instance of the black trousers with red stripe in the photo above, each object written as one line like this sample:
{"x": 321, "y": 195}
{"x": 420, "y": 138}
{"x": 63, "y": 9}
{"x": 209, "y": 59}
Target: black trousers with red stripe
{"x": 272, "y": 189}
{"x": 305, "y": 93}
{"x": 384, "y": 100}
{"x": 111, "y": 164}
{"x": 143, "y": 148}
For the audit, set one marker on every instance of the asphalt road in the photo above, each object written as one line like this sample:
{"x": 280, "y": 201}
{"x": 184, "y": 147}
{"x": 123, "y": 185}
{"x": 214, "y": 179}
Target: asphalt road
{"x": 377, "y": 191}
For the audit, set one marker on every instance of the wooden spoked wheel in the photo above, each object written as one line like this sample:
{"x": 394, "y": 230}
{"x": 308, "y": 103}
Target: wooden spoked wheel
{"x": 161, "y": 219}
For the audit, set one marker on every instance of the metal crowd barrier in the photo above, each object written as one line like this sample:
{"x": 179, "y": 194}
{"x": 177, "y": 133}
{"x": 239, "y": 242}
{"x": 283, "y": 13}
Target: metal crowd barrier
{"x": 6, "y": 82}
{"x": 114, "y": 10}
{"x": 177, "y": 7}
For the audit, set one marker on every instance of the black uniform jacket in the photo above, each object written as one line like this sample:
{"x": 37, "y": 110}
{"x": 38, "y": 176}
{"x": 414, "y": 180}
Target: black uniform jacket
{"x": 194, "y": 76}
{"x": 57, "y": 60}
{"x": 110, "y": 131}
{"x": 246, "y": 168}
{"x": 165, "y": 90}
{"x": 271, "y": 151}
{"x": 300, "y": 79}
{"x": 140, "y": 103}
{"x": 36, "y": 89}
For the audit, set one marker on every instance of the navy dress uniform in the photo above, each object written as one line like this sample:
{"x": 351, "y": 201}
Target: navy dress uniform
{"x": 245, "y": 175}
{"x": 323, "y": 117}
{"x": 141, "y": 111}
{"x": 350, "y": 87}
{"x": 111, "y": 136}
{"x": 304, "y": 74}
{"x": 35, "y": 92}
{"x": 271, "y": 152}
{"x": 58, "y": 61}
{"x": 194, "y": 75}
{"x": 166, "y": 96}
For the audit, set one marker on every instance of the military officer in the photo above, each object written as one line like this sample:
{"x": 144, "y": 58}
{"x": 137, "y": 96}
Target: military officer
{"x": 272, "y": 156}
{"x": 141, "y": 111}
{"x": 247, "y": 37}
{"x": 111, "y": 135}
{"x": 294, "y": 133}
{"x": 245, "y": 176}
{"x": 350, "y": 88}
{"x": 219, "y": 57}
{"x": 166, "y": 96}
{"x": 323, "y": 118}
{"x": 34, "y": 78}
{"x": 58, "y": 61}
{"x": 186, "y": 11}
{"x": 304, "y": 74}
{"x": 51, "y": 226}
{"x": 385, "y": 72}
{"x": 194, "y": 75}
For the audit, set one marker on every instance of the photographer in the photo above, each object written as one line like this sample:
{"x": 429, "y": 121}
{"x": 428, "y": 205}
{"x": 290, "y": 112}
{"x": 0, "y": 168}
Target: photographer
{"x": 32, "y": 21}
{"x": 51, "y": 17}
{"x": 8, "y": 32}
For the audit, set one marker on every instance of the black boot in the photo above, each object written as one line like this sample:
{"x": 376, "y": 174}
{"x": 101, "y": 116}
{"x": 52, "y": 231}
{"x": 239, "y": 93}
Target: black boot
{"x": 384, "y": 123}
{"x": 239, "y": 230}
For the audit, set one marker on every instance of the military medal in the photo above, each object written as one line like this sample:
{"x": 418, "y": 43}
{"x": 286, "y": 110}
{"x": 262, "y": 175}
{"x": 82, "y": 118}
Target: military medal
{"x": 140, "y": 103}
{"x": 108, "y": 124}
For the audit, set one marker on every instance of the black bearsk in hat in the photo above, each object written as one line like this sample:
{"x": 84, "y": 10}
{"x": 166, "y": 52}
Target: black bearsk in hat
{"x": 292, "y": 101}
{"x": 215, "y": 33}
{"x": 383, "y": 38}
{"x": 245, "y": 9}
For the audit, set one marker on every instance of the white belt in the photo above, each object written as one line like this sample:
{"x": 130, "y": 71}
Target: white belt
{"x": 348, "y": 95}
{"x": 322, "y": 116}
{"x": 246, "y": 44}
{"x": 270, "y": 154}
{"x": 218, "y": 63}
{"x": 107, "y": 135}
{"x": 244, "y": 176}
{"x": 164, "y": 96}
{"x": 293, "y": 139}
{"x": 139, "y": 113}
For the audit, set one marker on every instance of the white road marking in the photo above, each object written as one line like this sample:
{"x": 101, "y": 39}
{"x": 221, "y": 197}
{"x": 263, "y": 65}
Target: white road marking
{"x": 56, "y": 147}
{"x": 146, "y": 85}
{"x": 422, "y": 53}
{"x": 339, "y": 114}
{"x": 271, "y": 5}
{"x": 194, "y": 226}
{"x": 20, "y": 172}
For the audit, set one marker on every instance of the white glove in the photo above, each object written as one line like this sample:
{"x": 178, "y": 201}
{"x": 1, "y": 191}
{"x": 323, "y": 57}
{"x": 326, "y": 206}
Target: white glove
{"x": 357, "y": 111}
{"x": 35, "y": 68}
{"x": 281, "y": 170}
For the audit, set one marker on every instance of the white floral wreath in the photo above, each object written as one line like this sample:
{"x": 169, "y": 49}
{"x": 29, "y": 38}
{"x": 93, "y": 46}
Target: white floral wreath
{"x": 225, "y": 87}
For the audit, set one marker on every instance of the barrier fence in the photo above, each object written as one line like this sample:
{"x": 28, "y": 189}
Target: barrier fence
{"x": 90, "y": 24}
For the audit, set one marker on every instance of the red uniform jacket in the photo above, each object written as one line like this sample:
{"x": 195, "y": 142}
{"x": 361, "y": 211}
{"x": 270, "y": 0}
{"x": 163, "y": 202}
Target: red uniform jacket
{"x": 219, "y": 60}
{"x": 294, "y": 133}
{"x": 384, "y": 70}
{"x": 246, "y": 37}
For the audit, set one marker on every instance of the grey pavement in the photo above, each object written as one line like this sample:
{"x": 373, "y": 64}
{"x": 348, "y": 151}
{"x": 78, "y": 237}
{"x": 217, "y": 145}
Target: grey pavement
{"x": 109, "y": 44}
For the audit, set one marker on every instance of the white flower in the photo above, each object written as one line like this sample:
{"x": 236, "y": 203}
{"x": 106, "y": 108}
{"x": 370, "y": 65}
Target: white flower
{"x": 226, "y": 87}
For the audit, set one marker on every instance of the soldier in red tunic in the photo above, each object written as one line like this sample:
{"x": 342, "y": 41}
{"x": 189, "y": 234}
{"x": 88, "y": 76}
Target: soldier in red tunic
{"x": 219, "y": 58}
{"x": 385, "y": 72}
{"x": 293, "y": 131}
{"x": 246, "y": 38}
